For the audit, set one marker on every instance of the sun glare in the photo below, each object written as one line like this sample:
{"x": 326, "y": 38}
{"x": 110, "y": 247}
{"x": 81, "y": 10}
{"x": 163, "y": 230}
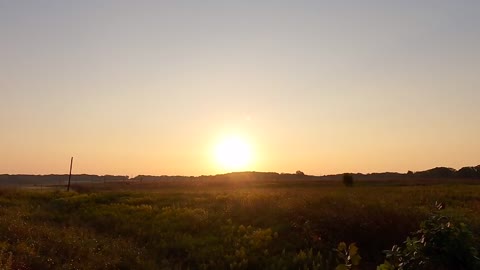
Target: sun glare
{"x": 233, "y": 154}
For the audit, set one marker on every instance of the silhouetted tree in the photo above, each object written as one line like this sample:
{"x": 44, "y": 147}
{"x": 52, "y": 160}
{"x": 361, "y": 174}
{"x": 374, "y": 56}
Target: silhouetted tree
{"x": 348, "y": 180}
{"x": 299, "y": 173}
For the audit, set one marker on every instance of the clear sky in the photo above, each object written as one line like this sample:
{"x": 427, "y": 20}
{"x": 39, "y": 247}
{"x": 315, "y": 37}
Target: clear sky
{"x": 151, "y": 87}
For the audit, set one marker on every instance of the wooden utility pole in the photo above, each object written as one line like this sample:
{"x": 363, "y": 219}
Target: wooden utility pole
{"x": 70, "y": 174}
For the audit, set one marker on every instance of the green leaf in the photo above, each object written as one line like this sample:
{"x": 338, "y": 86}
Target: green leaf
{"x": 355, "y": 259}
{"x": 342, "y": 246}
{"x": 352, "y": 249}
{"x": 341, "y": 267}
{"x": 386, "y": 266}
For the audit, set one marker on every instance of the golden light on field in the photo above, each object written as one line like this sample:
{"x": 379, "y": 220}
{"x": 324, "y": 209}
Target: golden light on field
{"x": 233, "y": 154}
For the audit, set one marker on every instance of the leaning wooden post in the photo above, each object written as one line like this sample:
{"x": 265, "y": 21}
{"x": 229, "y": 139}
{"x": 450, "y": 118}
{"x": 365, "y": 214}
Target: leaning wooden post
{"x": 70, "y": 174}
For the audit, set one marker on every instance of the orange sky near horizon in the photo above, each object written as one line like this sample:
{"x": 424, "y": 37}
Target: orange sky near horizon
{"x": 142, "y": 87}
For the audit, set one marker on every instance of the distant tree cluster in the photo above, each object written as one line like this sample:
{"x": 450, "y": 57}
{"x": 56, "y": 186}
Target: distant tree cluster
{"x": 300, "y": 173}
{"x": 444, "y": 172}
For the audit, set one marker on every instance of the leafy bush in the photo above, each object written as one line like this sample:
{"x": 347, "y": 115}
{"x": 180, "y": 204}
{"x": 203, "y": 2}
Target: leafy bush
{"x": 439, "y": 244}
{"x": 348, "y": 257}
{"x": 310, "y": 260}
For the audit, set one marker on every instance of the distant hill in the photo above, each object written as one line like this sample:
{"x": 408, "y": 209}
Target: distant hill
{"x": 444, "y": 172}
{"x": 437, "y": 172}
{"x": 56, "y": 179}
{"x": 244, "y": 176}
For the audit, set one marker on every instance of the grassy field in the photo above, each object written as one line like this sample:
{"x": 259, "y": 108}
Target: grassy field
{"x": 217, "y": 225}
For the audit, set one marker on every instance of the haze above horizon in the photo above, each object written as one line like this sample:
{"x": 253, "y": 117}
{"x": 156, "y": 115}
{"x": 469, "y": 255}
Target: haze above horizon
{"x": 162, "y": 87}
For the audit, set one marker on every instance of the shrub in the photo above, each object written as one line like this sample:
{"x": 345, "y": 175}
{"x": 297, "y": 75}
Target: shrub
{"x": 348, "y": 256}
{"x": 439, "y": 244}
{"x": 348, "y": 180}
{"x": 5, "y": 257}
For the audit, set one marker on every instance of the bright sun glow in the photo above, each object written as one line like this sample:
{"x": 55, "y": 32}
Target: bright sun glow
{"x": 233, "y": 154}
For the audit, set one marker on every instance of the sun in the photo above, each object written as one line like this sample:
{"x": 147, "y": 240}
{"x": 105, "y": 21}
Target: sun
{"x": 233, "y": 154}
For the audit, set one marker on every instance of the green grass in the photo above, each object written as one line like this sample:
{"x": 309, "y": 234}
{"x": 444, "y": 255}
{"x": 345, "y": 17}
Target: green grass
{"x": 191, "y": 225}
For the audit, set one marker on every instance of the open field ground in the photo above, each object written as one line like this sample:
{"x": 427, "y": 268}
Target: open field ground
{"x": 218, "y": 225}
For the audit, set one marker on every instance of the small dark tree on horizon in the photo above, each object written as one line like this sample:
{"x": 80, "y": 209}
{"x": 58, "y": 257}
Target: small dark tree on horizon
{"x": 299, "y": 173}
{"x": 348, "y": 179}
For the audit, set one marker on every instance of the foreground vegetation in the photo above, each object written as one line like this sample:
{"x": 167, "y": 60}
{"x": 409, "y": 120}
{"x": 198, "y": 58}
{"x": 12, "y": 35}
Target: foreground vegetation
{"x": 241, "y": 225}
